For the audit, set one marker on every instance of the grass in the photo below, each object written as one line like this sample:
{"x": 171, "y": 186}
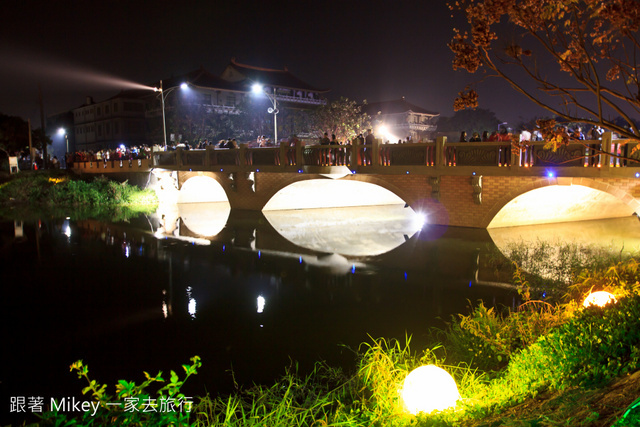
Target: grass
{"x": 548, "y": 363}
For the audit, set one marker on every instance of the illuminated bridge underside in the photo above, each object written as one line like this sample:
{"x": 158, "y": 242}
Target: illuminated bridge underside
{"x": 489, "y": 201}
{"x": 559, "y": 203}
{"x": 323, "y": 193}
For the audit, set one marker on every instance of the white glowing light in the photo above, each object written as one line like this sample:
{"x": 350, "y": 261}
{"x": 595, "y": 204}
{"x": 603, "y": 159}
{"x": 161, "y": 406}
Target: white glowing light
{"x": 192, "y": 307}
{"x": 600, "y": 299}
{"x": 67, "y": 231}
{"x": 256, "y": 88}
{"x": 429, "y": 388}
{"x": 62, "y": 131}
{"x": 419, "y": 220}
{"x": 184, "y": 86}
{"x": 261, "y": 302}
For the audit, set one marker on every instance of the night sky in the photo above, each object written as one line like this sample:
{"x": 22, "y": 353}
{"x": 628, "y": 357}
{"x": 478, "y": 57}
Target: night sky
{"x": 373, "y": 50}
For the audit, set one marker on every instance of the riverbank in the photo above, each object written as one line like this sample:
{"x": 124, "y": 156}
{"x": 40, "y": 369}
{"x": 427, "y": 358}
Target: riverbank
{"x": 35, "y": 191}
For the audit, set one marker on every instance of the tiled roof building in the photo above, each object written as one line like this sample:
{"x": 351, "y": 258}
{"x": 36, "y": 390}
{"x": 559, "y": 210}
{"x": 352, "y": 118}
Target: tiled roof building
{"x": 402, "y": 119}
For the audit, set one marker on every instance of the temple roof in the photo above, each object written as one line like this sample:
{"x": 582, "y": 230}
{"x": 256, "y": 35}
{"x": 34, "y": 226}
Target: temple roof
{"x": 395, "y": 107}
{"x": 201, "y": 78}
{"x": 249, "y": 74}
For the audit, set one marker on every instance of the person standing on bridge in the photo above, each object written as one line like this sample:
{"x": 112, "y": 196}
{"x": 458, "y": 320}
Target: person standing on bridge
{"x": 368, "y": 147}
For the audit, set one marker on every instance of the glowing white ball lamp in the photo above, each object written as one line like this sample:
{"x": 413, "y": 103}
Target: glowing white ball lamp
{"x": 600, "y": 299}
{"x": 429, "y": 388}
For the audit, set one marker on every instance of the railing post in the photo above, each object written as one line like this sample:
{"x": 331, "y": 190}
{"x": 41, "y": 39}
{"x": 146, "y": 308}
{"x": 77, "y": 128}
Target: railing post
{"x": 441, "y": 141}
{"x": 606, "y": 148}
{"x": 515, "y": 156}
{"x": 178, "y": 156}
{"x": 283, "y": 152}
{"x": 242, "y": 159}
{"x": 357, "y": 156}
{"x": 375, "y": 156}
{"x": 207, "y": 155}
{"x": 299, "y": 153}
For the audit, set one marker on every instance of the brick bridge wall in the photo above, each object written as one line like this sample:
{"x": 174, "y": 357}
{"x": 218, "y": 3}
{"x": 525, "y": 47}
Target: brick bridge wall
{"x": 448, "y": 200}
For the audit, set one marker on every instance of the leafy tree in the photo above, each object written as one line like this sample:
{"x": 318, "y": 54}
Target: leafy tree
{"x": 575, "y": 58}
{"x": 14, "y": 135}
{"x": 343, "y": 117}
{"x": 471, "y": 120}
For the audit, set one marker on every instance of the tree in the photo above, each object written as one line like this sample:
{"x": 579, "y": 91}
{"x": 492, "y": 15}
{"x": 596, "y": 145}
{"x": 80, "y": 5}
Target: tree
{"x": 471, "y": 120}
{"x": 14, "y": 135}
{"x": 343, "y": 118}
{"x": 575, "y": 58}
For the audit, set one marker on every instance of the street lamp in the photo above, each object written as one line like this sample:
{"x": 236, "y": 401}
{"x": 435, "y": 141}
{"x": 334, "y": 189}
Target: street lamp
{"x": 163, "y": 94}
{"x": 62, "y": 131}
{"x": 258, "y": 88}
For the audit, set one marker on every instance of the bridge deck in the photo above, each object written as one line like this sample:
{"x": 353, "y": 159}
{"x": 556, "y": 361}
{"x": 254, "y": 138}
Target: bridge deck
{"x": 578, "y": 159}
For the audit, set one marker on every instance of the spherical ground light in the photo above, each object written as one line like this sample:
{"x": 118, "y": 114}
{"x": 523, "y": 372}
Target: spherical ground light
{"x": 600, "y": 299}
{"x": 429, "y": 388}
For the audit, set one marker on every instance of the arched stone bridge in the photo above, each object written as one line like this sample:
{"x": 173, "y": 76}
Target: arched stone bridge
{"x": 480, "y": 185}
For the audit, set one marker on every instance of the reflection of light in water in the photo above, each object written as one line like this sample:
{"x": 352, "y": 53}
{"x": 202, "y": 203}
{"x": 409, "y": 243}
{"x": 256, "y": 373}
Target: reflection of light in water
{"x": 126, "y": 249}
{"x": 619, "y": 235}
{"x": 165, "y": 310}
{"x": 18, "y": 229}
{"x": 165, "y": 307}
{"x": 191, "y": 307}
{"x": 66, "y": 227}
{"x": 261, "y": 302}
{"x": 355, "y": 231}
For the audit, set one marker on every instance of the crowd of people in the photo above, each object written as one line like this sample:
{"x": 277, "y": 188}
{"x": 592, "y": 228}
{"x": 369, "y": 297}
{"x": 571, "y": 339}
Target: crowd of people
{"x": 332, "y": 151}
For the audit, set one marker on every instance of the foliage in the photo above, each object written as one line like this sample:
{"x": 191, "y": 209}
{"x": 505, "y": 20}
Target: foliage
{"x": 14, "y": 135}
{"x": 597, "y": 345}
{"x": 487, "y": 338}
{"x": 38, "y": 188}
{"x": 579, "y": 55}
{"x": 343, "y": 118}
{"x": 476, "y": 120}
{"x": 133, "y": 404}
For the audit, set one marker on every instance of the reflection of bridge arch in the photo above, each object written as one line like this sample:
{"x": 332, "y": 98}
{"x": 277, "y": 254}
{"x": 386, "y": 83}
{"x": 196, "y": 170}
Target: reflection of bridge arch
{"x": 308, "y": 192}
{"x": 560, "y": 200}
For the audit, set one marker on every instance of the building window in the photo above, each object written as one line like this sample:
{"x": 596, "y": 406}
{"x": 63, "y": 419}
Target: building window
{"x": 132, "y": 106}
{"x": 115, "y": 108}
{"x": 206, "y": 98}
{"x": 99, "y": 111}
{"x": 106, "y": 109}
{"x": 231, "y": 100}
{"x": 116, "y": 126}
{"x": 107, "y": 128}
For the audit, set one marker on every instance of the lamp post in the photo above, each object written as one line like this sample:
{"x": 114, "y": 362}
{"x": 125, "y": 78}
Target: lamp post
{"x": 257, "y": 88}
{"x": 63, "y": 131}
{"x": 163, "y": 94}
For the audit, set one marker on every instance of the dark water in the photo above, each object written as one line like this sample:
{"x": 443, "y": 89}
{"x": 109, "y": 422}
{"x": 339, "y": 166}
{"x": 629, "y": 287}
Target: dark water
{"x": 126, "y": 299}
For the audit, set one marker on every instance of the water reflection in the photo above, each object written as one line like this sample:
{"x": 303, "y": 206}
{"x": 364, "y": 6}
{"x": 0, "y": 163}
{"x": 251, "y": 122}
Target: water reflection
{"x": 615, "y": 235}
{"x": 357, "y": 231}
{"x": 253, "y": 298}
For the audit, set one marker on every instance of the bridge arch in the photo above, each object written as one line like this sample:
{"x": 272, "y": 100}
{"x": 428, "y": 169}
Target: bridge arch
{"x": 313, "y": 191}
{"x": 550, "y": 200}
{"x": 201, "y": 188}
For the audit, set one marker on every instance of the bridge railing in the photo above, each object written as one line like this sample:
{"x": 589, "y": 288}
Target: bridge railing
{"x": 379, "y": 157}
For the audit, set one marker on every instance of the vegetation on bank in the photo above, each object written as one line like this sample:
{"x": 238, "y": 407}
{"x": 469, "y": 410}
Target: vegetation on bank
{"x": 547, "y": 363}
{"x": 55, "y": 189}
